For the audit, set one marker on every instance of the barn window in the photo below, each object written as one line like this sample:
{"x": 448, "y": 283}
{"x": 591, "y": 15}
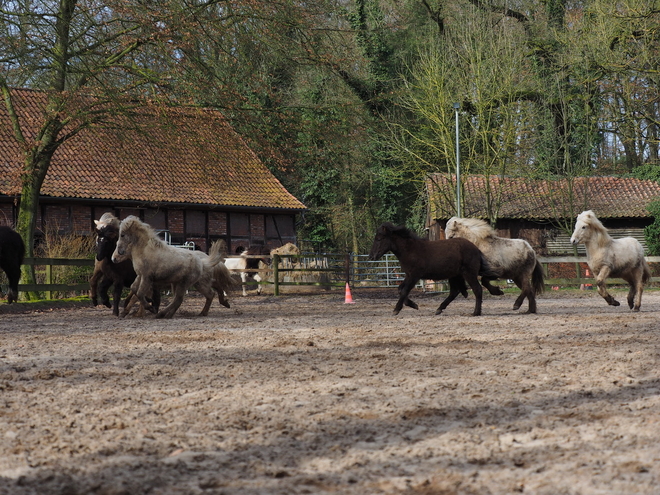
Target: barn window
{"x": 156, "y": 218}
{"x": 239, "y": 225}
{"x": 124, "y": 212}
{"x": 195, "y": 223}
{"x": 280, "y": 226}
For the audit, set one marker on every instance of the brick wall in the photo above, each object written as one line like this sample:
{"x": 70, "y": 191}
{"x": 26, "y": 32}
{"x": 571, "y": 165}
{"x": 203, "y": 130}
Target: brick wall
{"x": 257, "y": 227}
{"x": 57, "y": 219}
{"x": 175, "y": 222}
{"x": 217, "y": 223}
{"x": 82, "y": 219}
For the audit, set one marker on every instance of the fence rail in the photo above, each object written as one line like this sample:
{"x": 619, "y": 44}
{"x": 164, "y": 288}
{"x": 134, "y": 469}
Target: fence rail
{"x": 321, "y": 270}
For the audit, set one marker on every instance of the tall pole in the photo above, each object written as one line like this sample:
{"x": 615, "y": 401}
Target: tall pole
{"x": 458, "y": 166}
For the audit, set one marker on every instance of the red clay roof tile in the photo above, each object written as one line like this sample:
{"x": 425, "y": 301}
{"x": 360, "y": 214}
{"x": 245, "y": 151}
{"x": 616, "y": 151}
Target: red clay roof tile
{"x": 535, "y": 199}
{"x": 157, "y": 155}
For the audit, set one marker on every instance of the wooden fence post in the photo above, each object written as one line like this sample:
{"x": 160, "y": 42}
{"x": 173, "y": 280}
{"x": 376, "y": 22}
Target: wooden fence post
{"x": 276, "y": 274}
{"x": 49, "y": 280}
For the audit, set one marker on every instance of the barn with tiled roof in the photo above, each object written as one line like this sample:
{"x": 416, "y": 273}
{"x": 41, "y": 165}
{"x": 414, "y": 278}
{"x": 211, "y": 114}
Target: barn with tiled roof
{"x": 536, "y": 209}
{"x": 183, "y": 170}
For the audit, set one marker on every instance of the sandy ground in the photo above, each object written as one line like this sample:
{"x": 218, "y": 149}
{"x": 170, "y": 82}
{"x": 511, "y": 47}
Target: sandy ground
{"x": 306, "y": 394}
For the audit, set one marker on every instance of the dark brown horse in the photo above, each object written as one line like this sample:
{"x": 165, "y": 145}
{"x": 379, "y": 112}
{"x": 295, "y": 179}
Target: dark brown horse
{"x": 12, "y": 253}
{"x": 455, "y": 260}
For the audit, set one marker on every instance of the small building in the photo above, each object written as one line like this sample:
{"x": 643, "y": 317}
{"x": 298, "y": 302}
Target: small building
{"x": 184, "y": 171}
{"x": 541, "y": 211}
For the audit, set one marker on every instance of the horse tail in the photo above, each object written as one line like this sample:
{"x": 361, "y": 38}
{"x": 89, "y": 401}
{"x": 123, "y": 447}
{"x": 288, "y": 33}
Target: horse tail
{"x": 216, "y": 254}
{"x": 219, "y": 246}
{"x": 646, "y": 276}
{"x": 537, "y": 278}
{"x": 224, "y": 279}
{"x": 487, "y": 270}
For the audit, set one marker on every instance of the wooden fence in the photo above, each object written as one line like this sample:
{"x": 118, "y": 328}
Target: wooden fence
{"x": 49, "y": 287}
{"x": 343, "y": 271}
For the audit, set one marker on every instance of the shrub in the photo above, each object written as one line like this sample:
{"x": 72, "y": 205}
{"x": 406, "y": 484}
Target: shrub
{"x": 652, "y": 232}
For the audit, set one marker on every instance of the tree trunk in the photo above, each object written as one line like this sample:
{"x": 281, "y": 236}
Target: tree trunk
{"x": 27, "y": 213}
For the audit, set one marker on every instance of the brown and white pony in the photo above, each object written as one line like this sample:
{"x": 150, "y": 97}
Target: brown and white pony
{"x": 510, "y": 258}
{"x": 159, "y": 264}
{"x": 608, "y": 257}
{"x": 243, "y": 264}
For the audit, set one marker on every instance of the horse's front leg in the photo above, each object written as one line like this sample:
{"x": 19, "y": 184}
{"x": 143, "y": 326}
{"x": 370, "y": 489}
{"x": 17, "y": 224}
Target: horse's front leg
{"x": 408, "y": 302}
{"x": 602, "y": 287}
{"x": 404, "y": 289}
{"x": 94, "y": 281}
{"x": 142, "y": 287}
{"x": 106, "y": 282}
{"x": 116, "y": 297}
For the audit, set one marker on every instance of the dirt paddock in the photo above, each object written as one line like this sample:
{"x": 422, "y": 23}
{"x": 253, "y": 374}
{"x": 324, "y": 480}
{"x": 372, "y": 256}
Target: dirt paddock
{"x": 306, "y": 394}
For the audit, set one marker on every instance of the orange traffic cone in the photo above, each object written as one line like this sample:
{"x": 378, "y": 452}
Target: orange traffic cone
{"x": 587, "y": 273}
{"x": 348, "y": 299}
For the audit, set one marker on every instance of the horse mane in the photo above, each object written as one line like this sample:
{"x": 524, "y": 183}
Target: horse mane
{"x": 143, "y": 231}
{"x": 400, "y": 230}
{"x": 589, "y": 217}
{"x": 476, "y": 227}
{"x": 107, "y": 220}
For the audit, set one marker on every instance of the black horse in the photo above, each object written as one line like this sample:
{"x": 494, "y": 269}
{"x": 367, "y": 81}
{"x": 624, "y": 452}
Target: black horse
{"x": 456, "y": 260}
{"x": 119, "y": 275}
{"x": 12, "y": 253}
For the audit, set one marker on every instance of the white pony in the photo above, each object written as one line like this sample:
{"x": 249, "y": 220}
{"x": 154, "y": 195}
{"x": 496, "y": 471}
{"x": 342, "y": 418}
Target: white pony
{"x": 238, "y": 266}
{"x": 157, "y": 263}
{"x": 511, "y": 259}
{"x": 609, "y": 257}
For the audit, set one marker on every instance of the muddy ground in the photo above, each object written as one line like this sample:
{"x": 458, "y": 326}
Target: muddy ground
{"x": 306, "y": 394}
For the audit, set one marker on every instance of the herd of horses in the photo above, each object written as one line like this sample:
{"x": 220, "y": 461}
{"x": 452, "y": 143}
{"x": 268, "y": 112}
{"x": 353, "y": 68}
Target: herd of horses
{"x": 130, "y": 253}
{"x": 491, "y": 257}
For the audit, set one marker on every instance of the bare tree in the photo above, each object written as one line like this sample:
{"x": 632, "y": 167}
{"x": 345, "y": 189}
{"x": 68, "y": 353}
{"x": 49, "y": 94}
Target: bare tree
{"x": 91, "y": 60}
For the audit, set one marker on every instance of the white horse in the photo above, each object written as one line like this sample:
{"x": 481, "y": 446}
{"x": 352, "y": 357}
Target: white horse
{"x": 238, "y": 266}
{"x": 511, "y": 259}
{"x": 158, "y": 264}
{"x": 609, "y": 257}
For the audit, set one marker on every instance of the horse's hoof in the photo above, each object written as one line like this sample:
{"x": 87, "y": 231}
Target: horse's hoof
{"x": 438, "y": 311}
{"x": 496, "y": 292}
{"x": 95, "y": 301}
{"x": 615, "y": 303}
{"x": 395, "y": 312}
{"x": 516, "y": 307}
{"x": 636, "y": 309}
